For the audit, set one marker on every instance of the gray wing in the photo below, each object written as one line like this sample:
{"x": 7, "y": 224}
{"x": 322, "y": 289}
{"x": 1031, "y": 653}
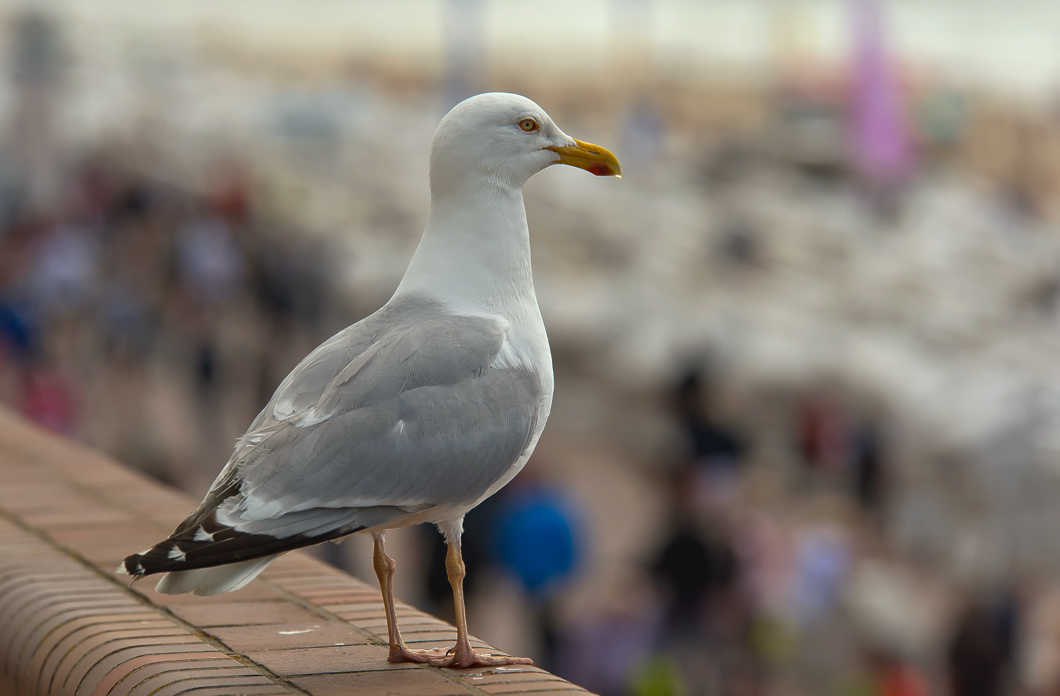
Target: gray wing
{"x": 415, "y": 416}
{"x": 395, "y": 415}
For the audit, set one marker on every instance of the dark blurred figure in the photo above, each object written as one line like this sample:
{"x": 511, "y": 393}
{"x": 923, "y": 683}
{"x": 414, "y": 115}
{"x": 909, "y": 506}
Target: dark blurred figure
{"x": 707, "y": 616}
{"x": 16, "y": 331}
{"x": 47, "y": 397}
{"x": 823, "y": 435}
{"x": 1006, "y": 608}
{"x": 870, "y": 471}
{"x": 211, "y": 265}
{"x": 716, "y": 450}
{"x": 698, "y": 570}
{"x": 290, "y": 285}
{"x": 982, "y": 649}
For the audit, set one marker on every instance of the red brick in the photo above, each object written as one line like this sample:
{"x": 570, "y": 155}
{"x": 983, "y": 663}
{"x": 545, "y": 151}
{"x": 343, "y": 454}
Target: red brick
{"x": 30, "y": 551}
{"x": 415, "y": 623}
{"x": 18, "y": 506}
{"x": 354, "y": 614}
{"x": 100, "y": 657}
{"x": 232, "y": 685}
{"x": 127, "y": 675}
{"x": 88, "y": 467}
{"x": 142, "y": 494}
{"x": 287, "y": 636}
{"x": 318, "y": 578}
{"x": 300, "y": 566}
{"x": 505, "y": 675}
{"x": 541, "y": 687}
{"x": 311, "y": 584}
{"x": 24, "y": 474}
{"x": 36, "y": 598}
{"x": 332, "y": 596}
{"x": 60, "y": 636}
{"x": 167, "y": 516}
{"x": 10, "y": 534}
{"x": 492, "y": 682}
{"x": 372, "y": 607}
{"x": 37, "y": 615}
{"x": 48, "y": 493}
{"x": 255, "y": 591}
{"x": 243, "y": 690}
{"x": 59, "y": 565}
{"x": 243, "y": 614}
{"x": 347, "y": 658}
{"x": 294, "y": 565}
{"x": 36, "y": 612}
{"x": 25, "y": 578}
{"x": 25, "y": 595}
{"x": 18, "y": 567}
{"x": 409, "y": 682}
{"x": 446, "y": 644}
{"x": 107, "y": 543}
{"x": 135, "y": 675}
{"x": 314, "y": 582}
{"x": 89, "y": 516}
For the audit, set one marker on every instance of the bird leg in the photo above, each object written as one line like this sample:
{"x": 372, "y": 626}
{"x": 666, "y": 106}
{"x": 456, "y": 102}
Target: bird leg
{"x": 463, "y": 656}
{"x": 384, "y": 570}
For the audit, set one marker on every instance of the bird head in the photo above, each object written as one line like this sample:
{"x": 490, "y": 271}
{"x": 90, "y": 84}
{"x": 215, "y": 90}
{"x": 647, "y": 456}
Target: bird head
{"x": 507, "y": 138}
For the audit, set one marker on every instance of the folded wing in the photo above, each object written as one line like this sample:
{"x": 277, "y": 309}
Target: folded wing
{"x": 403, "y": 412}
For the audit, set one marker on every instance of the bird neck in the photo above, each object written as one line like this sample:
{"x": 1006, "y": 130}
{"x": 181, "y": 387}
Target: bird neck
{"x": 475, "y": 252}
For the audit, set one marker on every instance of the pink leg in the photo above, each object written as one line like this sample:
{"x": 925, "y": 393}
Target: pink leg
{"x": 463, "y": 656}
{"x": 384, "y": 570}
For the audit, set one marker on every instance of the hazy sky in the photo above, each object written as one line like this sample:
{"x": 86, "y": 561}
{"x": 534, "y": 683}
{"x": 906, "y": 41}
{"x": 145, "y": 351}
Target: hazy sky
{"x": 1011, "y": 46}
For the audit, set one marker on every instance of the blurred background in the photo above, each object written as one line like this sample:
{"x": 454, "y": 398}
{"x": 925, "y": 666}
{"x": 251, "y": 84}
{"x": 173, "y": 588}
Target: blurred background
{"x": 806, "y": 431}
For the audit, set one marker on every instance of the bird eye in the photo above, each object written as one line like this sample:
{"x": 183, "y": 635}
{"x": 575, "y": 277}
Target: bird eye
{"x": 529, "y": 125}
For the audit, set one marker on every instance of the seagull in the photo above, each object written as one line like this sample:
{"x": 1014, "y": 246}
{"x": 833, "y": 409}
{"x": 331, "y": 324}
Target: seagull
{"x": 418, "y": 412}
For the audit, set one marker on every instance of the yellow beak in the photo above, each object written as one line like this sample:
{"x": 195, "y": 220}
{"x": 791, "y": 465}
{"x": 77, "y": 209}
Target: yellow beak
{"x": 592, "y": 158}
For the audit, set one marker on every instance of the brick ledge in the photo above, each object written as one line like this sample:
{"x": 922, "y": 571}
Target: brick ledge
{"x": 69, "y": 626}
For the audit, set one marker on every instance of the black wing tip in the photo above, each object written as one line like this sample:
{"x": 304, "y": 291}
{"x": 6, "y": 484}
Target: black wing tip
{"x": 157, "y": 559}
{"x": 225, "y": 545}
{"x": 132, "y": 566}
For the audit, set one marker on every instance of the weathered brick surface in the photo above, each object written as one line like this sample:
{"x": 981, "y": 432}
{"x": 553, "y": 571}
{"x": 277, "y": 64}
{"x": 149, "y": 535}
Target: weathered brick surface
{"x": 70, "y": 627}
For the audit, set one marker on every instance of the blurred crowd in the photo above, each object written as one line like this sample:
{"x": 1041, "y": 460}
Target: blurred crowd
{"x": 131, "y": 310}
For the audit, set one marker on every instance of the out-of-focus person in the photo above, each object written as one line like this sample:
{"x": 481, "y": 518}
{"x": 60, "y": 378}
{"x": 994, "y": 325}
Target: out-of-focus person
{"x": 870, "y": 470}
{"x": 981, "y": 651}
{"x": 47, "y": 397}
{"x": 715, "y": 450}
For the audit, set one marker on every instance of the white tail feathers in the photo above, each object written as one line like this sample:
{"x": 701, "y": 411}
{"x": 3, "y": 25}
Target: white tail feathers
{"x": 211, "y": 581}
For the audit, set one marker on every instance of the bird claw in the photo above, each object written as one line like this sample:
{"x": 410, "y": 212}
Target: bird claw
{"x": 401, "y": 653}
{"x": 469, "y": 658}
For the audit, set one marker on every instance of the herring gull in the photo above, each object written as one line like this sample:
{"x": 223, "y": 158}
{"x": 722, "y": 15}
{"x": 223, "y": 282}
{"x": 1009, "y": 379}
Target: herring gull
{"x": 418, "y": 412}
